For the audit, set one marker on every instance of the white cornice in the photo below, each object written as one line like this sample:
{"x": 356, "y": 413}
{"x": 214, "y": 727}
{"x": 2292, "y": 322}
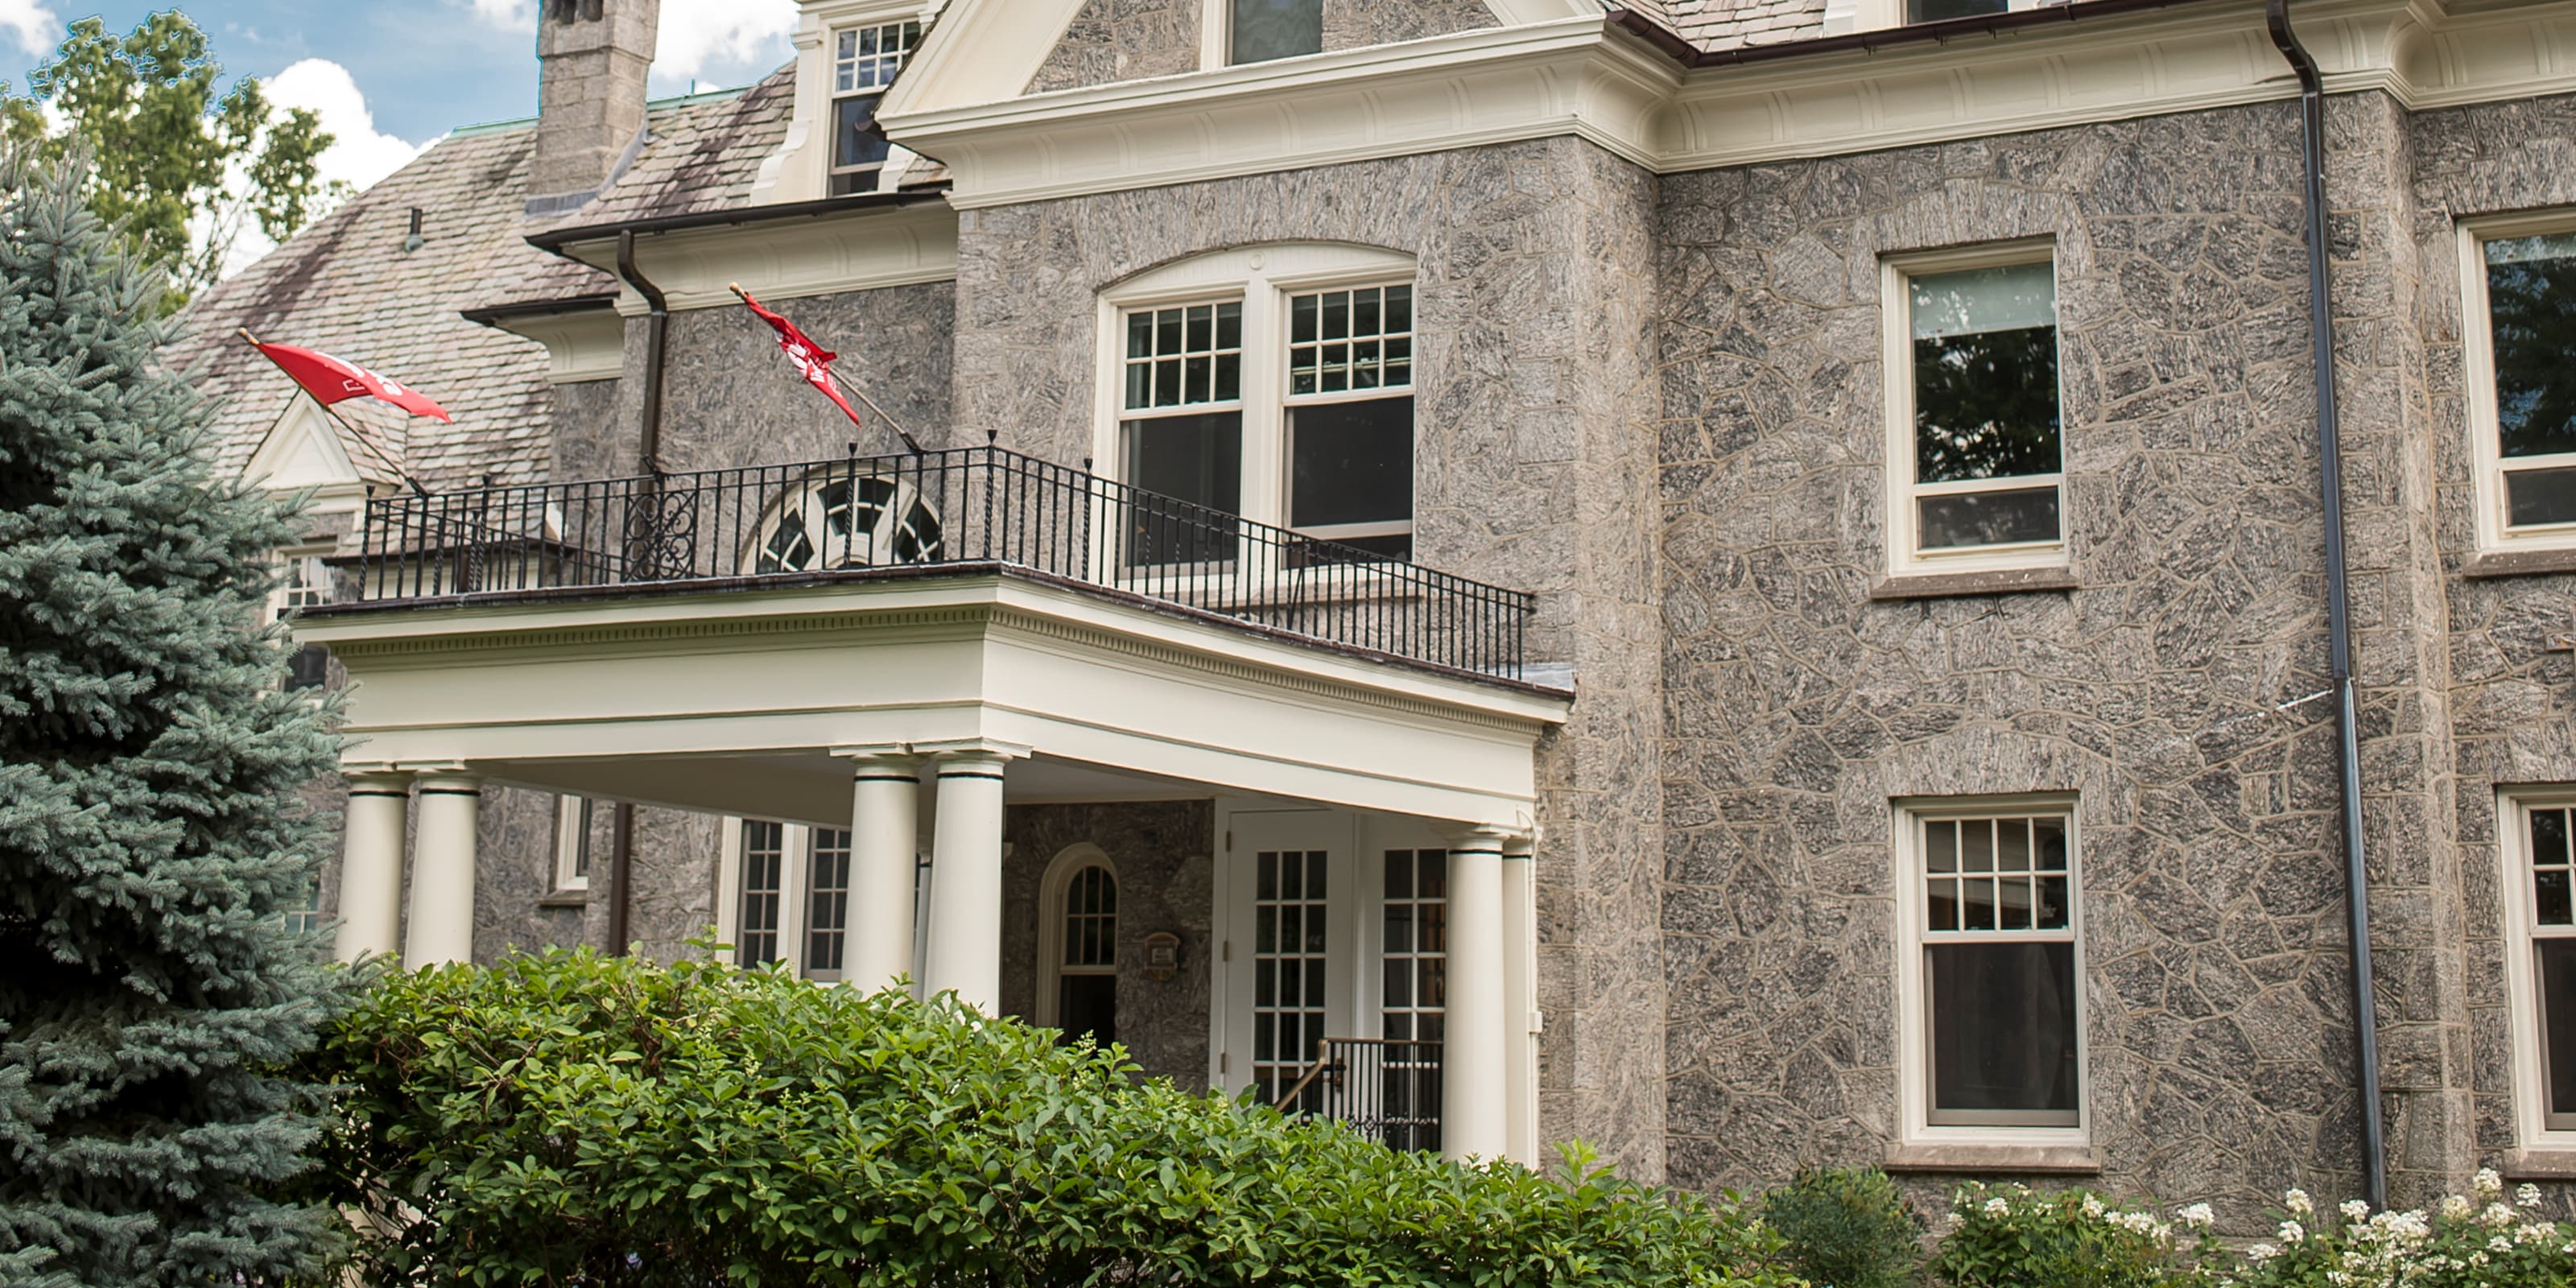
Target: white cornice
{"x": 788, "y": 258}
{"x": 1576, "y": 76}
{"x": 585, "y": 344}
{"x": 1489, "y": 85}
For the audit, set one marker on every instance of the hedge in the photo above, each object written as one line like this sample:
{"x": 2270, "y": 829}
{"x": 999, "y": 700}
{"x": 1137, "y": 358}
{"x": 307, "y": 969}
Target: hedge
{"x": 572, "y": 1118}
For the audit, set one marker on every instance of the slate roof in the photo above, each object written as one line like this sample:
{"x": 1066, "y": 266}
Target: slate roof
{"x": 1732, "y": 24}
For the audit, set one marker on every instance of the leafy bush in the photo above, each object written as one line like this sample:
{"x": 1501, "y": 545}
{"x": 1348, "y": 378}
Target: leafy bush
{"x": 609, "y": 1121}
{"x": 2011, "y": 1236}
{"x": 1847, "y": 1228}
{"x": 2465, "y": 1242}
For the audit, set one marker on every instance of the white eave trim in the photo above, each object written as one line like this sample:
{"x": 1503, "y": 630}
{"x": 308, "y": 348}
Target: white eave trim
{"x": 1577, "y": 76}
{"x": 787, "y": 259}
{"x": 1489, "y": 85}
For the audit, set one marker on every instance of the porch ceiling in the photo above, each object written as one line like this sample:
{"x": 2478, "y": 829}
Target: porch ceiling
{"x": 735, "y": 700}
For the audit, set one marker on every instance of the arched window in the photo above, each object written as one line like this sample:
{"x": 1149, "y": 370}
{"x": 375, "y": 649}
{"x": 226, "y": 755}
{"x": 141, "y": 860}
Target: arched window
{"x": 1078, "y": 945}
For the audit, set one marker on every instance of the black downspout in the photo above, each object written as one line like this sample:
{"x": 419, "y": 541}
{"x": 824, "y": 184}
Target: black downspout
{"x": 2365, "y": 1001}
{"x": 657, "y": 328}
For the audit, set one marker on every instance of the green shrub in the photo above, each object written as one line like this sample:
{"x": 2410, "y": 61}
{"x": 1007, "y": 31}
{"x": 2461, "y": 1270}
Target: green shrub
{"x": 2465, "y": 1242}
{"x": 572, "y": 1118}
{"x": 2011, "y": 1236}
{"x": 1847, "y": 1228}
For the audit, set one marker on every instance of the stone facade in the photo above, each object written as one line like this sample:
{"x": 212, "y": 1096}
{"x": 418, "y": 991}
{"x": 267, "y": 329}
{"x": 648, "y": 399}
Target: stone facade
{"x": 1534, "y": 315}
{"x": 1162, "y": 852}
{"x": 1124, "y": 40}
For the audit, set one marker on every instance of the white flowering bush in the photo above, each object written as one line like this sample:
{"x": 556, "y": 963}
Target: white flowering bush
{"x": 2476, "y": 1240}
{"x": 2011, "y": 1236}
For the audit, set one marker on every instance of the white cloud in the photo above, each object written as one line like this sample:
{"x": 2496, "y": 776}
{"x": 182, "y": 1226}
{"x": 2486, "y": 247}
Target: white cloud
{"x": 358, "y": 155}
{"x": 743, "y": 39}
{"x": 35, "y": 26}
{"x": 509, "y": 15}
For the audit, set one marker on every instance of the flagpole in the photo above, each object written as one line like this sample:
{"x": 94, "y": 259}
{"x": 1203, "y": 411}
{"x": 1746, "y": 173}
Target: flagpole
{"x": 365, "y": 439}
{"x": 910, "y": 444}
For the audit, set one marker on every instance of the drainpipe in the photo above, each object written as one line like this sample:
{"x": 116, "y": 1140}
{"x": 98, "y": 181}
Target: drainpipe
{"x": 2312, "y": 131}
{"x": 648, "y": 451}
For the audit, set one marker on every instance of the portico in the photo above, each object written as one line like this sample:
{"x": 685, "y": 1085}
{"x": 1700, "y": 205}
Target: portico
{"x": 863, "y": 699}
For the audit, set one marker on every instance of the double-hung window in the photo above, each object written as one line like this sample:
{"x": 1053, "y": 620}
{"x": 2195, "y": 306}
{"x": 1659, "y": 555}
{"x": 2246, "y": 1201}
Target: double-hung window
{"x": 864, "y": 62}
{"x": 305, "y": 582}
{"x": 1273, "y": 383}
{"x": 1975, "y": 457}
{"x": 2521, "y": 345}
{"x": 2539, "y": 904}
{"x": 1992, "y": 972}
{"x": 574, "y": 821}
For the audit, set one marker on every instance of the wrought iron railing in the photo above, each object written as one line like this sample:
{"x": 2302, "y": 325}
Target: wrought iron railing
{"x": 1388, "y": 1090}
{"x": 958, "y": 506}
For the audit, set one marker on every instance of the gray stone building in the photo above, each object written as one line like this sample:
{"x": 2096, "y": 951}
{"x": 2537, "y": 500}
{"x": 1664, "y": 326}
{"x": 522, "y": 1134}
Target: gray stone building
{"x": 1749, "y": 583}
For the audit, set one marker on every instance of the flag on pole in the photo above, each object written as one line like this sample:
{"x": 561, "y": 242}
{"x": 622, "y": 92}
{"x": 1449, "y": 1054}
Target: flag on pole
{"x": 331, "y": 380}
{"x": 811, "y": 360}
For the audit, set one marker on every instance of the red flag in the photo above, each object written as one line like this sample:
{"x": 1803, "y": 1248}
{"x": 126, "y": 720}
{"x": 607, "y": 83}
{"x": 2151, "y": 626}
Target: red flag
{"x": 812, "y": 361}
{"x": 332, "y": 380}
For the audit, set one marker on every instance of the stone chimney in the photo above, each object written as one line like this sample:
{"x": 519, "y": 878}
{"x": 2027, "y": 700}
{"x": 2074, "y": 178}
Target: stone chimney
{"x": 592, "y": 56}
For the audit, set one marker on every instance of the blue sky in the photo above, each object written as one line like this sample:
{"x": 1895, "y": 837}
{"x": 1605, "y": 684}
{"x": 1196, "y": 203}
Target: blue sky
{"x": 391, "y": 75}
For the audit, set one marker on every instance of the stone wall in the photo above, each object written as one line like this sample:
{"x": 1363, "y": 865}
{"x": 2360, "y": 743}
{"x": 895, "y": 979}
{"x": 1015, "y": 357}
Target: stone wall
{"x": 2511, "y": 698}
{"x": 1163, "y": 855}
{"x": 2167, "y": 691}
{"x": 1124, "y": 40}
{"x": 1534, "y": 310}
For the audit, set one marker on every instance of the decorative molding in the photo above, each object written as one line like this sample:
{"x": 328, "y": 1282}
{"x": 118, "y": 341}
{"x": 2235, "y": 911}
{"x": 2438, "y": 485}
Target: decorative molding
{"x": 829, "y": 254}
{"x": 1488, "y": 85}
{"x": 581, "y": 344}
{"x": 1577, "y": 76}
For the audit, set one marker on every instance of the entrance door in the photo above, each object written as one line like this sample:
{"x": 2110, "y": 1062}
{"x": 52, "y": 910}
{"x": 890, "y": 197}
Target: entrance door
{"x": 1285, "y": 887}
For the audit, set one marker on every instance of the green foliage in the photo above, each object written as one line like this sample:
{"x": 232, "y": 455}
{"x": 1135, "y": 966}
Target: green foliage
{"x": 606, "y": 1120}
{"x": 144, "y": 107}
{"x": 1847, "y": 1228}
{"x": 2014, "y": 1237}
{"x": 151, "y": 830}
{"x": 2464, "y": 1242}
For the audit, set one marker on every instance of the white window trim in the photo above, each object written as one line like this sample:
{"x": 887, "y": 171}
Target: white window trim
{"x": 572, "y": 832}
{"x": 287, "y": 558}
{"x": 1263, "y": 278}
{"x": 1896, "y": 312}
{"x": 1052, "y": 887}
{"x": 2522, "y": 989}
{"x": 1914, "y": 1031}
{"x": 796, "y": 840}
{"x": 2477, "y": 342}
{"x": 889, "y": 171}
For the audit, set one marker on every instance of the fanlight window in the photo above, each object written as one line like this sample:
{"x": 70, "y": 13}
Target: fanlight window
{"x": 831, "y": 522}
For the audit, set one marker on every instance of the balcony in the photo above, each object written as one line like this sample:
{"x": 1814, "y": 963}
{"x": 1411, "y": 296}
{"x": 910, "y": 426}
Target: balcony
{"x": 940, "y": 513}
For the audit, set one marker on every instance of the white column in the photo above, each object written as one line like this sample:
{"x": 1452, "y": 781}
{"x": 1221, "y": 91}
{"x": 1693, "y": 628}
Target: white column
{"x": 883, "y": 792}
{"x": 1474, "y": 1085}
{"x": 371, "y": 861}
{"x": 965, "y": 954}
{"x": 442, "y": 871}
{"x": 1520, "y": 996}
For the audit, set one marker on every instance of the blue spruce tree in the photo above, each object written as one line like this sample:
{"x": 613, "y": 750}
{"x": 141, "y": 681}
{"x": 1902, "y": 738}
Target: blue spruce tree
{"x": 151, "y": 830}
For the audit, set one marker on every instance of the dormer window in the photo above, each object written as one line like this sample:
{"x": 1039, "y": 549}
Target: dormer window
{"x": 864, "y": 62}
{"x": 1258, "y": 31}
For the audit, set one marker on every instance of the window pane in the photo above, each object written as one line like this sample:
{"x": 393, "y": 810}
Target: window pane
{"x": 1267, "y": 29}
{"x": 1987, "y": 518}
{"x": 1351, "y": 463}
{"x": 1193, "y": 459}
{"x": 1985, "y": 373}
{"x": 2531, "y": 297}
{"x": 854, "y": 142}
{"x": 2535, "y": 497}
{"x": 2558, "y": 1026}
{"x": 2551, "y": 872}
{"x": 2003, "y": 1032}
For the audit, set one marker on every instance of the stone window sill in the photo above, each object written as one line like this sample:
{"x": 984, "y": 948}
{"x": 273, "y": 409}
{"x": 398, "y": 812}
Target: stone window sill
{"x": 2520, "y": 563}
{"x": 1966, "y": 1156}
{"x": 1957, "y": 585}
{"x": 2548, "y": 1164}
{"x": 566, "y": 899}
